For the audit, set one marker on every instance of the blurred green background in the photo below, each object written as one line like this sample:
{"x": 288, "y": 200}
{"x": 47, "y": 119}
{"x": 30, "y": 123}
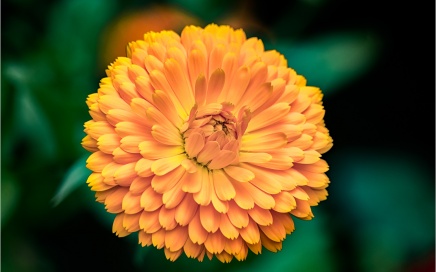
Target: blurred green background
{"x": 374, "y": 66}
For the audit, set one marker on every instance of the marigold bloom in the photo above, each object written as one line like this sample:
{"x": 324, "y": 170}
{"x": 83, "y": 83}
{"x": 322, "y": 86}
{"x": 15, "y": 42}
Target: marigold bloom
{"x": 206, "y": 144}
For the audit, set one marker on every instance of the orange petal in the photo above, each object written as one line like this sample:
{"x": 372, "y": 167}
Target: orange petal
{"x": 192, "y": 182}
{"x": 227, "y": 228}
{"x": 173, "y": 197}
{"x": 158, "y": 238}
{"x": 264, "y": 143}
{"x": 276, "y": 231}
{"x": 222, "y": 159}
{"x": 117, "y": 226}
{"x": 131, "y": 222}
{"x": 113, "y": 201}
{"x": 209, "y": 151}
{"x": 254, "y": 157}
{"x": 123, "y": 157}
{"x": 242, "y": 197}
{"x": 222, "y": 185}
{"x": 139, "y": 184}
{"x": 131, "y": 203}
{"x": 215, "y": 85}
{"x": 261, "y": 216}
{"x": 270, "y": 244}
{"x": 149, "y": 221}
{"x": 97, "y": 161}
{"x": 131, "y": 143}
{"x": 166, "y": 218}
{"x": 237, "y": 216}
{"x": 192, "y": 250}
{"x": 143, "y": 167}
{"x": 194, "y": 144}
{"x": 162, "y": 184}
{"x": 162, "y": 166}
{"x": 186, "y": 210}
{"x": 144, "y": 238}
{"x": 215, "y": 242}
{"x": 166, "y": 135}
{"x": 125, "y": 174}
{"x": 302, "y": 210}
{"x": 239, "y": 173}
{"x": 203, "y": 197}
{"x": 95, "y": 181}
{"x": 209, "y": 218}
{"x": 255, "y": 248}
{"x": 108, "y": 143}
{"x": 250, "y": 233}
{"x": 150, "y": 200}
{"x": 268, "y": 117}
{"x": 285, "y": 202}
{"x": 171, "y": 255}
{"x": 197, "y": 233}
{"x": 165, "y": 105}
{"x": 155, "y": 150}
{"x": 234, "y": 246}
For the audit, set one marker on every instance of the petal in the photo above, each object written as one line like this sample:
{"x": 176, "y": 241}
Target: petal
{"x": 125, "y": 174}
{"x": 113, "y": 202}
{"x": 139, "y": 184}
{"x": 239, "y": 173}
{"x": 162, "y": 166}
{"x": 215, "y": 85}
{"x": 166, "y": 135}
{"x": 186, "y": 210}
{"x": 162, "y": 184}
{"x": 173, "y": 197}
{"x": 210, "y": 218}
{"x": 143, "y": 167}
{"x": 250, "y": 233}
{"x": 261, "y": 216}
{"x": 149, "y": 221}
{"x": 215, "y": 242}
{"x": 175, "y": 239}
{"x": 208, "y": 152}
{"x": 222, "y": 185}
{"x": 97, "y": 161}
{"x": 192, "y": 250}
{"x": 144, "y": 238}
{"x": 284, "y": 202}
{"x": 117, "y": 226}
{"x": 194, "y": 144}
{"x": 203, "y": 197}
{"x": 196, "y": 231}
{"x": 237, "y": 216}
{"x": 155, "y": 150}
{"x": 222, "y": 159}
{"x": 131, "y": 203}
{"x": 227, "y": 228}
{"x": 268, "y": 117}
{"x": 131, "y": 222}
{"x": 166, "y": 218}
{"x": 150, "y": 200}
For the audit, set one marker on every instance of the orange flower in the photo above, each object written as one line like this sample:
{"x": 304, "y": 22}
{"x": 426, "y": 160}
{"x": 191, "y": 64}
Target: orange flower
{"x": 206, "y": 144}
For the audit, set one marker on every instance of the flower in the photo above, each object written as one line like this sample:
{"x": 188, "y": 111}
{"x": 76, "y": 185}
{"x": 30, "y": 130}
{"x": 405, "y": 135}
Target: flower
{"x": 206, "y": 143}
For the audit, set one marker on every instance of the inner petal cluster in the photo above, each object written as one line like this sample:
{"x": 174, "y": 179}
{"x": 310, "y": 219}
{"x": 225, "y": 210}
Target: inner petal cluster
{"x": 212, "y": 135}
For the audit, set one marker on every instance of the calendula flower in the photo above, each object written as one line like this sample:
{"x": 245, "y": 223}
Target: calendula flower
{"x": 206, "y": 143}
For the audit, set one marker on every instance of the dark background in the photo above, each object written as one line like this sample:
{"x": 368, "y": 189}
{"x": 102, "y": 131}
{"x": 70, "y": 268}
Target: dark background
{"x": 374, "y": 61}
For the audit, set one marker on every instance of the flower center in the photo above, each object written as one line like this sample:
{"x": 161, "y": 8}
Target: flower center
{"x": 212, "y": 135}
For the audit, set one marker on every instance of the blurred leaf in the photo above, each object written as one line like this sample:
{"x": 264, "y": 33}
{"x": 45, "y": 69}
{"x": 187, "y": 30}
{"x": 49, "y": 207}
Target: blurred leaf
{"x": 76, "y": 176}
{"x": 388, "y": 200}
{"x": 10, "y": 194}
{"x": 30, "y": 120}
{"x": 332, "y": 60}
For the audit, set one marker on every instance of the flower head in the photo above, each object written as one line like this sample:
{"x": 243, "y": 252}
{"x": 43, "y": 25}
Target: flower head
{"x": 206, "y": 143}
